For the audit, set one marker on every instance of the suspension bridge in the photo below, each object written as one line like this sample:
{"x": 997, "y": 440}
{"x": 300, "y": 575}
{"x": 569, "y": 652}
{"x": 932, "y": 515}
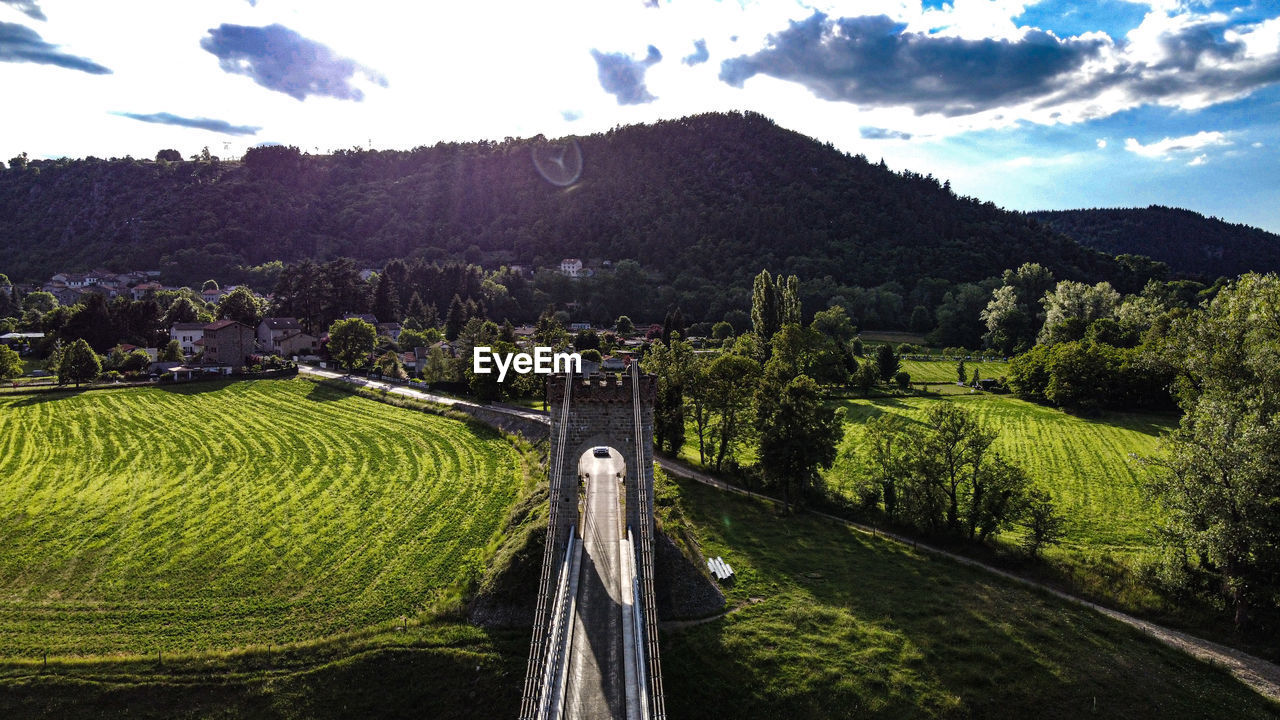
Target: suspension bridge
{"x": 594, "y": 652}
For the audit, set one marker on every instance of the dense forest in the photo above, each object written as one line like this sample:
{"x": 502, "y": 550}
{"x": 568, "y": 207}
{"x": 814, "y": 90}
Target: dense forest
{"x": 1188, "y": 242}
{"x": 709, "y": 199}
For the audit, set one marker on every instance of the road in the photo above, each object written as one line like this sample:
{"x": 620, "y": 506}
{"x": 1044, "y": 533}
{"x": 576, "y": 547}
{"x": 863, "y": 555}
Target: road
{"x": 596, "y": 687}
{"x": 397, "y": 389}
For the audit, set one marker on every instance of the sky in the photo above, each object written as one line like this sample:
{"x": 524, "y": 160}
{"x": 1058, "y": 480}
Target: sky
{"x": 1031, "y": 105}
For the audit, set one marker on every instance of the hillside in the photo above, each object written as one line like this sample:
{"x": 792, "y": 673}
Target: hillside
{"x": 712, "y": 197}
{"x": 1190, "y": 243}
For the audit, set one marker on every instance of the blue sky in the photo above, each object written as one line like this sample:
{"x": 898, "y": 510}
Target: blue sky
{"x": 1029, "y": 104}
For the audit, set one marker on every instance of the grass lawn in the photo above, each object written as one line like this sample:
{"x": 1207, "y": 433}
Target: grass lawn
{"x": 830, "y": 623}
{"x": 938, "y": 371}
{"x": 1084, "y": 463}
{"x": 219, "y": 515}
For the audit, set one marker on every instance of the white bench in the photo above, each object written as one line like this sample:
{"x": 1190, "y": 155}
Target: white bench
{"x": 720, "y": 568}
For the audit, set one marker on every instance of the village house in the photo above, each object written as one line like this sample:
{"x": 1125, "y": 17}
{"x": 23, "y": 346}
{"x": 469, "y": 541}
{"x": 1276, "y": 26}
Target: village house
{"x": 390, "y": 329}
{"x": 572, "y": 267}
{"x": 297, "y": 343}
{"x": 272, "y": 329}
{"x": 187, "y": 335}
{"x": 228, "y": 342}
{"x": 140, "y": 290}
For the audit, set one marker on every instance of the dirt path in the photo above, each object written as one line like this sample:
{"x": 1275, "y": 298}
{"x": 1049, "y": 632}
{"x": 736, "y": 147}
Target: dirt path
{"x": 1259, "y": 674}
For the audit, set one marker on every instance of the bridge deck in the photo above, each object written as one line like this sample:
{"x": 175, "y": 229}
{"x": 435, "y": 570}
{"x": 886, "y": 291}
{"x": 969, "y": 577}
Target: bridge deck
{"x": 597, "y": 677}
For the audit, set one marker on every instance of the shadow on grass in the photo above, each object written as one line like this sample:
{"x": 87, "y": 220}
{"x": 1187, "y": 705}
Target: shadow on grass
{"x": 45, "y": 396}
{"x": 470, "y": 681}
{"x": 325, "y": 393}
{"x": 836, "y": 624}
{"x": 196, "y": 387}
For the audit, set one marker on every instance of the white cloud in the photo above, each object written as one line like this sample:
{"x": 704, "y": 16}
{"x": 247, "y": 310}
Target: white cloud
{"x": 1198, "y": 160}
{"x": 1163, "y": 149}
{"x": 1102, "y": 143}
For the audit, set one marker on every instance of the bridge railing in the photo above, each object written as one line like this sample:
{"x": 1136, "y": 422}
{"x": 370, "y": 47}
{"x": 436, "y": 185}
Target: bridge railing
{"x": 539, "y": 645}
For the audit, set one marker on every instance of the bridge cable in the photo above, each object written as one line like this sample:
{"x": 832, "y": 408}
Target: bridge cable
{"x": 644, "y": 491}
{"x": 533, "y": 686}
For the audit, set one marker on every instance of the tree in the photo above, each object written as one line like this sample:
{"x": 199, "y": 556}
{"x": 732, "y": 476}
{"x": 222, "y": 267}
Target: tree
{"x": 78, "y": 363}
{"x": 1043, "y": 523}
{"x": 902, "y": 379}
{"x": 887, "y": 362}
{"x": 390, "y": 366}
{"x": 351, "y": 341}
{"x": 181, "y": 310}
{"x": 834, "y": 322}
{"x": 798, "y": 435}
{"x": 586, "y": 340}
{"x": 1007, "y": 322}
{"x": 10, "y": 363}
{"x": 623, "y": 325}
{"x": 959, "y": 316}
{"x": 386, "y": 299}
{"x": 168, "y": 155}
{"x": 439, "y": 368}
{"x": 416, "y": 317}
{"x": 921, "y": 320}
{"x": 671, "y": 363}
{"x": 961, "y": 375}
{"x": 764, "y": 306}
{"x": 242, "y": 306}
{"x": 39, "y": 301}
{"x": 865, "y": 376}
{"x": 721, "y": 331}
{"x": 1072, "y": 306}
{"x": 172, "y": 352}
{"x": 209, "y": 285}
{"x": 1218, "y": 473}
{"x": 730, "y": 384}
{"x": 455, "y": 318}
{"x": 887, "y": 440}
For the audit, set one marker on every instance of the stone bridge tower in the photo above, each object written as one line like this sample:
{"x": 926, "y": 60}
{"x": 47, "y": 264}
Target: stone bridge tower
{"x": 601, "y": 412}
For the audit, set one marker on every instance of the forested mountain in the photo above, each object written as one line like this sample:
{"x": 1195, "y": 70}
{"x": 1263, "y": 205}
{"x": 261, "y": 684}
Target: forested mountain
{"x": 1188, "y": 242}
{"x": 711, "y": 198}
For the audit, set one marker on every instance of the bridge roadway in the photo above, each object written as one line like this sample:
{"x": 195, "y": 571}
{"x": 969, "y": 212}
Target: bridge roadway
{"x": 596, "y": 686}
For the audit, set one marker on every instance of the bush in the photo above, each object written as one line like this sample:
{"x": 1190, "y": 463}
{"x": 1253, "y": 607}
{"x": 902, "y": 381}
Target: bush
{"x": 902, "y": 379}
{"x": 110, "y": 376}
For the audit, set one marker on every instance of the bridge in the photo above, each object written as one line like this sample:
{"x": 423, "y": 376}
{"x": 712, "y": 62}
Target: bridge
{"x": 594, "y": 652}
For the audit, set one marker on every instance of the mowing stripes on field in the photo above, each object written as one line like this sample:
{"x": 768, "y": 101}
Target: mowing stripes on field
{"x": 215, "y": 516}
{"x": 1084, "y": 463}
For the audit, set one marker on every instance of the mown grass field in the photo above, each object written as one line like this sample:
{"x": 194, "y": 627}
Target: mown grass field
{"x": 211, "y": 516}
{"x": 825, "y": 622}
{"x": 830, "y": 623}
{"x": 936, "y": 371}
{"x": 1084, "y": 463}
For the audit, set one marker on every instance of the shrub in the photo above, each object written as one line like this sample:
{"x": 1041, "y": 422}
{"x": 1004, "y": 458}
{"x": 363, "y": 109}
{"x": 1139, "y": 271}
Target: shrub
{"x": 903, "y": 379}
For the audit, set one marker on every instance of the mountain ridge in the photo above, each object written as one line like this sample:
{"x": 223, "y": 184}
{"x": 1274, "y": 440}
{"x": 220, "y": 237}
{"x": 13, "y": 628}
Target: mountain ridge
{"x": 709, "y": 198}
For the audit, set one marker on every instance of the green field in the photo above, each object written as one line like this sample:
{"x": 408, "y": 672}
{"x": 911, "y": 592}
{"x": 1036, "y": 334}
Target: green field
{"x": 215, "y": 515}
{"x": 824, "y": 622}
{"x": 944, "y": 371}
{"x": 1084, "y": 463}
{"x": 831, "y": 623}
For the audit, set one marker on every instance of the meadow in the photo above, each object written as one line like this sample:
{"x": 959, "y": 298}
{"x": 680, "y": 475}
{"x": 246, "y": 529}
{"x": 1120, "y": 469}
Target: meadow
{"x": 944, "y": 371}
{"x": 828, "y": 622}
{"x": 1085, "y": 464}
{"x": 823, "y": 622}
{"x": 220, "y": 515}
